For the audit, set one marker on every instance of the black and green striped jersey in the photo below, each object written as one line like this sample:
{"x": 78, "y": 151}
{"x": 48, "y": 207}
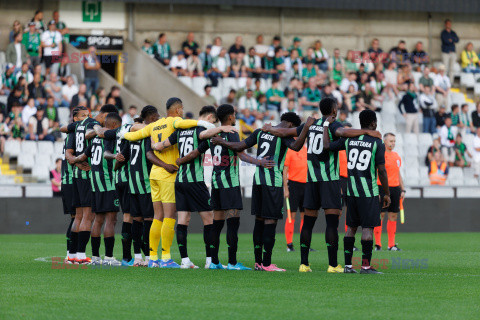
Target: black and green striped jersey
{"x": 101, "y": 173}
{"x": 67, "y": 168}
{"x": 80, "y": 143}
{"x": 188, "y": 140}
{"x": 225, "y": 163}
{"x": 269, "y": 147}
{"x": 364, "y": 154}
{"x": 121, "y": 175}
{"x": 135, "y": 152}
{"x": 322, "y": 165}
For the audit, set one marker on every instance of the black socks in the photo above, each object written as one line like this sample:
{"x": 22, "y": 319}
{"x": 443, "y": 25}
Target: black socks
{"x": 258, "y": 240}
{"x": 182, "y": 231}
{"x": 83, "y": 238}
{"x": 73, "y": 242}
{"x": 268, "y": 243}
{"x": 109, "y": 243}
{"x": 137, "y": 236}
{"x": 306, "y": 238}
{"x": 367, "y": 246}
{"x": 69, "y": 231}
{"x": 146, "y": 237}
{"x": 348, "y": 243}
{"x": 95, "y": 246}
{"x": 207, "y": 232}
{"x": 127, "y": 240}
{"x": 232, "y": 239}
{"x": 331, "y": 238}
{"x": 215, "y": 240}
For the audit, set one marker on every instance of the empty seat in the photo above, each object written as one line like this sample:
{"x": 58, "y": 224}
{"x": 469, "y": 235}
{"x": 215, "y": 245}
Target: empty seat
{"x": 45, "y": 147}
{"x": 63, "y": 115}
{"x": 411, "y": 162}
{"x": 198, "y": 85}
{"x": 29, "y": 147}
{"x": 455, "y": 172}
{"x": 425, "y": 139}
{"x": 410, "y": 139}
{"x": 26, "y": 161}
{"x": 186, "y": 81}
{"x": 58, "y": 147}
{"x": 43, "y": 160}
{"x": 467, "y": 80}
{"x": 41, "y": 172}
{"x": 12, "y": 147}
{"x": 476, "y": 89}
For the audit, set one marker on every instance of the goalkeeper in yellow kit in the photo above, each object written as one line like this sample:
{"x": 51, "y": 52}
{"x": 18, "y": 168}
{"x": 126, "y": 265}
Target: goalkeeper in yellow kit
{"x": 162, "y": 180}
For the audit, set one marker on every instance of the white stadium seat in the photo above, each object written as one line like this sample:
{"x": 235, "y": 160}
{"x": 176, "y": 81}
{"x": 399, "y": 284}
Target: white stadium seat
{"x": 45, "y": 147}
{"x": 58, "y": 147}
{"x": 467, "y": 80}
{"x": 186, "y": 81}
{"x": 476, "y": 89}
{"x": 12, "y": 147}
{"x": 41, "y": 172}
{"x": 411, "y": 139}
{"x": 63, "y": 115}
{"x": 29, "y": 147}
{"x": 198, "y": 85}
{"x": 26, "y": 161}
{"x": 43, "y": 160}
{"x": 425, "y": 139}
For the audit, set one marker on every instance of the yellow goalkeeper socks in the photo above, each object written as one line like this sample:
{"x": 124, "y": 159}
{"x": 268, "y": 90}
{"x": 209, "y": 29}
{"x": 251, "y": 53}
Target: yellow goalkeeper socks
{"x": 168, "y": 231}
{"x": 155, "y": 233}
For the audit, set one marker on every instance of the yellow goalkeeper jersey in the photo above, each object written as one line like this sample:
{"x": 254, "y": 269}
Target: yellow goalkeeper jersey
{"x": 160, "y": 130}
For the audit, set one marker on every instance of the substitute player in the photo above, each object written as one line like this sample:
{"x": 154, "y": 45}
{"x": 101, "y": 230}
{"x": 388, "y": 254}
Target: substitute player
{"x": 267, "y": 192}
{"x": 366, "y": 156}
{"x": 294, "y": 181}
{"x": 323, "y": 187}
{"x": 162, "y": 180}
{"x": 393, "y": 162}
{"x": 105, "y": 201}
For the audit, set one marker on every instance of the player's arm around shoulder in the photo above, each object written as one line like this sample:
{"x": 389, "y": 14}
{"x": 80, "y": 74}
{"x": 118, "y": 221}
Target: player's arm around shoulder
{"x": 249, "y": 142}
{"x": 296, "y": 145}
{"x": 280, "y": 132}
{"x": 138, "y": 131}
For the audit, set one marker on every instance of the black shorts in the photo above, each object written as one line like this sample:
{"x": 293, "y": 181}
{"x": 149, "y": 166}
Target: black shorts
{"x": 363, "y": 211}
{"x": 67, "y": 199}
{"x": 141, "y": 205}
{"x": 343, "y": 186}
{"x": 106, "y": 201}
{"x": 395, "y": 193}
{"x": 82, "y": 193}
{"x": 192, "y": 197}
{"x": 267, "y": 202}
{"x": 48, "y": 60}
{"x": 227, "y": 199}
{"x": 123, "y": 191}
{"x": 297, "y": 194}
{"x": 323, "y": 194}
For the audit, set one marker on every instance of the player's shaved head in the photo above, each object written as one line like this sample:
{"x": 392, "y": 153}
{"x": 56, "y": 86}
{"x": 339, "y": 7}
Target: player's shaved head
{"x": 224, "y": 111}
{"x": 328, "y": 106}
{"x": 113, "y": 120}
{"x": 172, "y": 102}
{"x": 291, "y": 117}
{"x": 368, "y": 119}
{"x": 107, "y": 108}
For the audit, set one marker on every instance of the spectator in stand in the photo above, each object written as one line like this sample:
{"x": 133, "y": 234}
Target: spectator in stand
{"x": 296, "y": 46}
{"x": 61, "y": 27}
{"x": 465, "y": 124}
{"x": 349, "y": 81}
{"x": 455, "y": 115}
{"x": 80, "y": 98}
{"x": 243, "y": 91}
{"x": 399, "y": 54}
{"x": 16, "y": 53}
{"x": 4, "y": 133}
{"x": 342, "y": 118}
{"x": 291, "y": 106}
{"x": 162, "y": 51}
{"x": 147, "y": 47}
{"x": 426, "y": 81}
{"x": 276, "y": 42}
{"x": 208, "y": 97}
{"x": 237, "y": 66}
{"x": 258, "y": 90}
{"x": 249, "y": 119}
{"x": 115, "y": 94}
{"x": 248, "y": 102}
{"x": 178, "y": 64}
{"x": 476, "y": 153}
{"x": 279, "y": 63}
{"x": 275, "y": 97}
{"x": 24, "y": 73}
{"x": 53, "y": 87}
{"x": 260, "y": 48}
{"x": 447, "y": 137}
{"x": 336, "y": 59}
{"x": 292, "y": 59}
{"x": 440, "y": 117}
{"x": 15, "y": 96}
{"x": 310, "y": 99}
{"x": 230, "y": 98}
{"x": 207, "y": 60}
{"x": 253, "y": 64}
{"x": 469, "y": 60}
{"x": 438, "y": 170}
{"x": 37, "y": 91}
{"x": 237, "y": 49}
{"x": 216, "y": 47}
{"x": 434, "y": 148}
{"x": 56, "y": 178}
{"x": 350, "y": 65}
{"x": 375, "y": 51}
{"x": 476, "y": 117}
{"x": 194, "y": 65}
{"x": 405, "y": 77}
{"x": 38, "y": 20}
{"x": 190, "y": 43}
{"x": 38, "y": 127}
{"x": 268, "y": 65}
{"x": 321, "y": 56}
{"x": 220, "y": 67}
{"x": 419, "y": 58}
{"x": 189, "y": 116}
{"x": 16, "y": 28}
{"x": 428, "y": 104}
{"x": 91, "y": 65}
{"x": 409, "y": 111}
{"x": 52, "y": 114}
{"x": 68, "y": 91}
{"x": 309, "y": 72}
{"x": 63, "y": 69}
{"x": 442, "y": 86}
{"x": 130, "y": 115}
{"x": 8, "y": 79}
{"x": 51, "y": 44}
{"x": 28, "y": 111}
{"x": 293, "y": 89}
{"x": 460, "y": 151}
{"x": 449, "y": 56}
{"x": 31, "y": 41}
{"x": 391, "y": 80}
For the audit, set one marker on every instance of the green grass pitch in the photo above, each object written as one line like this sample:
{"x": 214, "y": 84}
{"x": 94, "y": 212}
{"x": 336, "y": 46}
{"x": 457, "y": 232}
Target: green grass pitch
{"x": 446, "y": 287}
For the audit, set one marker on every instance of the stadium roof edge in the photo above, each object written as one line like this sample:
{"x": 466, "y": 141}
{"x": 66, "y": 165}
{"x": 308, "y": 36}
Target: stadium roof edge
{"x": 433, "y": 6}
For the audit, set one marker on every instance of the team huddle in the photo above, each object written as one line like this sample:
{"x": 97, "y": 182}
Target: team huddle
{"x": 154, "y": 171}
